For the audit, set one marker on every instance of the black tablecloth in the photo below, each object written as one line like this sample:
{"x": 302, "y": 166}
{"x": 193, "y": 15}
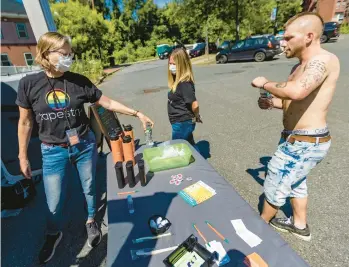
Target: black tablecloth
{"x": 160, "y": 197}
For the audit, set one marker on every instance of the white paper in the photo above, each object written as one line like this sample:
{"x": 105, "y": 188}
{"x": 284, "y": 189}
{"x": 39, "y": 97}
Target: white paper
{"x": 250, "y": 238}
{"x": 223, "y": 257}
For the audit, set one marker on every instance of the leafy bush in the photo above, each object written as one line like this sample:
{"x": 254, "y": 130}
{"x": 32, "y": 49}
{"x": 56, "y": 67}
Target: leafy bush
{"x": 127, "y": 54}
{"x": 344, "y": 29}
{"x": 89, "y": 67}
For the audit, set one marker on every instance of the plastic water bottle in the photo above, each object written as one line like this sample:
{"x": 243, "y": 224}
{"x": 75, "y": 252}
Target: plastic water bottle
{"x": 131, "y": 209}
{"x": 264, "y": 93}
{"x": 149, "y": 135}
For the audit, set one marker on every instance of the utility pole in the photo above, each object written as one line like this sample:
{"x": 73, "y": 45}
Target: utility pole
{"x": 237, "y": 33}
{"x": 207, "y": 48}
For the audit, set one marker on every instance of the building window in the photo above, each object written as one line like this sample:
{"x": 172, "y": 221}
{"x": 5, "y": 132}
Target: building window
{"x": 29, "y": 59}
{"x": 21, "y": 30}
{"x": 5, "y": 61}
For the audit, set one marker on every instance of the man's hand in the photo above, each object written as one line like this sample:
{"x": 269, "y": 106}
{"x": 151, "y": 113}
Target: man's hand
{"x": 265, "y": 103}
{"x": 144, "y": 119}
{"x": 259, "y": 82}
{"x": 25, "y": 168}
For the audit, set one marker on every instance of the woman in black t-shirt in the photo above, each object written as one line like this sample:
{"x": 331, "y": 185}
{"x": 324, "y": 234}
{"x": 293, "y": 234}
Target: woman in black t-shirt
{"x": 182, "y": 106}
{"x": 56, "y": 98}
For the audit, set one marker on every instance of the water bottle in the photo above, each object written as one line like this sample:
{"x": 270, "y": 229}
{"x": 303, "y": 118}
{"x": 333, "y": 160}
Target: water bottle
{"x": 264, "y": 93}
{"x": 149, "y": 135}
{"x": 131, "y": 209}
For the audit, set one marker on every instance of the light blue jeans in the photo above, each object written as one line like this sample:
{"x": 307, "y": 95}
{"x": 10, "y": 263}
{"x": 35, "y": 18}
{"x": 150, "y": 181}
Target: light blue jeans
{"x": 288, "y": 168}
{"x": 57, "y": 162}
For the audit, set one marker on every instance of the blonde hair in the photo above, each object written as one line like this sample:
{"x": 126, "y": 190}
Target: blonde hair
{"x": 318, "y": 30}
{"x": 184, "y": 72}
{"x": 49, "y": 41}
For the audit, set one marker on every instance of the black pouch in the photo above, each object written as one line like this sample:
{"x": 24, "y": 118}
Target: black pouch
{"x": 16, "y": 196}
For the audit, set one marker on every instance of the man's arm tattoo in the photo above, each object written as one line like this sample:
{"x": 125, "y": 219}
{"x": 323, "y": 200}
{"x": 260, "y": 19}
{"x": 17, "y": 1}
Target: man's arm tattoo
{"x": 281, "y": 85}
{"x": 315, "y": 72}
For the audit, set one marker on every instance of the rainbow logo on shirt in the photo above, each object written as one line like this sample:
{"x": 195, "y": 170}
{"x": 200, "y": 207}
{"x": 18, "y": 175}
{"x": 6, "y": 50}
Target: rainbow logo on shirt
{"x": 57, "y": 99}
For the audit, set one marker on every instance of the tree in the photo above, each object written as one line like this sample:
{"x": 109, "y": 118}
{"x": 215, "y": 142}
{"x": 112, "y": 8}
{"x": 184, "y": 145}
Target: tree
{"x": 89, "y": 31}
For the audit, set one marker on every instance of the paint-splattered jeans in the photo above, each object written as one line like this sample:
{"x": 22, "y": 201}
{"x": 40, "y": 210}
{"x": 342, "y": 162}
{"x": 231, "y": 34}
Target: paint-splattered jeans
{"x": 57, "y": 163}
{"x": 288, "y": 168}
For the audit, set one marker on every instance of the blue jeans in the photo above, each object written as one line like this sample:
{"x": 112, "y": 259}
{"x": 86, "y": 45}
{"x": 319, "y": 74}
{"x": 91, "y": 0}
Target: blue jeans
{"x": 288, "y": 168}
{"x": 57, "y": 162}
{"x": 183, "y": 130}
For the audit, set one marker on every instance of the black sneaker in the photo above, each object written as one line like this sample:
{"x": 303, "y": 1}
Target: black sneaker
{"x": 94, "y": 235}
{"x": 286, "y": 225}
{"x": 48, "y": 250}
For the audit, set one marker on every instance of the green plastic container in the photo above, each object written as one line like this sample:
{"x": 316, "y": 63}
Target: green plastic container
{"x": 155, "y": 161}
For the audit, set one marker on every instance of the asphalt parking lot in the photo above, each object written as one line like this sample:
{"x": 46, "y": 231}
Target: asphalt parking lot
{"x": 239, "y": 138}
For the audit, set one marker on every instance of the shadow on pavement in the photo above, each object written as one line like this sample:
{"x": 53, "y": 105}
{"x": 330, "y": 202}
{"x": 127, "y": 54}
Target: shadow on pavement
{"x": 332, "y": 41}
{"x": 255, "y": 173}
{"x": 252, "y": 60}
{"x": 203, "y": 147}
{"x": 23, "y": 235}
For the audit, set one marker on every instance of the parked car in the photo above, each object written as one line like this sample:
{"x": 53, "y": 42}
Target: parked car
{"x": 212, "y": 48}
{"x": 259, "y": 48}
{"x": 331, "y": 30}
{"x": 164, "y": 50}
{"x": 188, "y": 48}
{"x": 198, "y": 50}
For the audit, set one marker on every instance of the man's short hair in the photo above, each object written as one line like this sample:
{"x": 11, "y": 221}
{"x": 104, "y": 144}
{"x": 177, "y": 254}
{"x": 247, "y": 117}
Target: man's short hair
{"x": 302, "y": 15}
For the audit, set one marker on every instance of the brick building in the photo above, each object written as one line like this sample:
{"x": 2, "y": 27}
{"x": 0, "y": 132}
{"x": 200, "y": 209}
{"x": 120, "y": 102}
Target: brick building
{"x": 17, "y": 38}
{"x": 329, "y": 10}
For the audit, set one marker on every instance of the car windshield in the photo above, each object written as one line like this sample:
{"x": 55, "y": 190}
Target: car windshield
{"x": 272, "y": 38}
{"x": 200, "y": 46}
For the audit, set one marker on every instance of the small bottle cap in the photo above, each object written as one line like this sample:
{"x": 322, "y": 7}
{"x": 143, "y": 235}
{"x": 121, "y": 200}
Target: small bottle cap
{"x": 127, "y": 139}
{"x": 128, "y": 127}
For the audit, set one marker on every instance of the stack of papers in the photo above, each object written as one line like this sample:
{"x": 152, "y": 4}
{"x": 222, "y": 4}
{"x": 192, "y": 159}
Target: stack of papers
{"x": 250, "y": 238}
{"x": 217, "y": 247}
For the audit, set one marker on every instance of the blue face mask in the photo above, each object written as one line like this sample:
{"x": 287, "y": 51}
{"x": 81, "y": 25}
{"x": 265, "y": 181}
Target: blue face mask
{"x": 172, "y": 68}
{"x": 64, "y": 63}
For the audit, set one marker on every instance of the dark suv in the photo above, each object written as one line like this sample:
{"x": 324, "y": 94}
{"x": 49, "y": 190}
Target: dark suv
{"x": 200, "y": 49}
{"x": 331, "y": 30}
{"x": 259, "y": 48}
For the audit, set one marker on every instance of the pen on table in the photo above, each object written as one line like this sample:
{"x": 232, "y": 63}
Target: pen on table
{"x": 218, "y": 233}
{"x": 202, "y": 236}
{"x": 127, "y": 193}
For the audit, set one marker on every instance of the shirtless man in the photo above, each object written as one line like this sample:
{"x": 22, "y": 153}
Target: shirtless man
{"x": 305, "y": 141}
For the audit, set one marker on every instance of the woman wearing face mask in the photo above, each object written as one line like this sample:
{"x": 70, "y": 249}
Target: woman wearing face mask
{"x": 56, "y": 98}
{"x": 182, "y": 107}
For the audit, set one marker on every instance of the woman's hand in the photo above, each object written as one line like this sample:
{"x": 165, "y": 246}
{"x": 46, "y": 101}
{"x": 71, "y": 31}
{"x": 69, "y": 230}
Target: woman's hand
{"x": 198, "y": 118}
{"x": 25, "y": 168}
{"x": 144, "y": 119}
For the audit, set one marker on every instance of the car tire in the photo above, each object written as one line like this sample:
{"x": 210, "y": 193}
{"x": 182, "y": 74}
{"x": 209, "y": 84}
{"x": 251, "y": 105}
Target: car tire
{"x": 223, "y": 59}
{"x": 259, "y": 56}
{"x": 324, "y": 38}
{"x": 161, "y": 57}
